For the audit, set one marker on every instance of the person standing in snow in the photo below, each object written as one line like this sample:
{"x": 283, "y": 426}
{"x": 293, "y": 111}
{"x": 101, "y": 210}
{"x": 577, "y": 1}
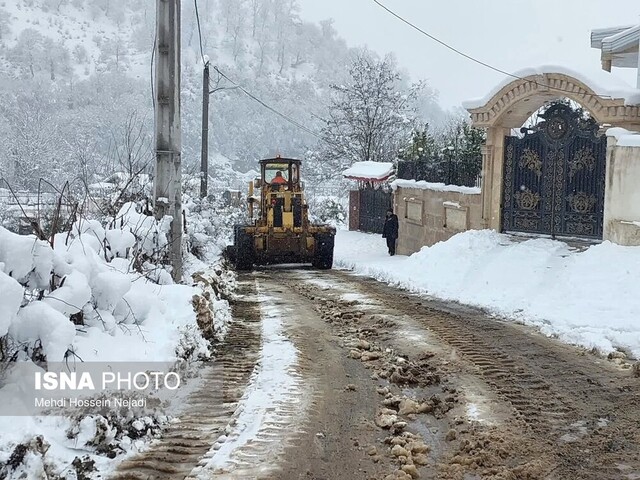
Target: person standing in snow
{"x": 390, "y": 231}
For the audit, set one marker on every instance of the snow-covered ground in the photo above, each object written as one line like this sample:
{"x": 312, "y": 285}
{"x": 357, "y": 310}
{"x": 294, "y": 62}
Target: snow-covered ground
{"x": 589, "y": 298}
{"x": 110, "y": 281}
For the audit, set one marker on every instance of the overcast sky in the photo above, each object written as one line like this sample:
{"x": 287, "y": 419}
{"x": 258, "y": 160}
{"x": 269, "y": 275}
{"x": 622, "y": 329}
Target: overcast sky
{"x": 509, "y": 34}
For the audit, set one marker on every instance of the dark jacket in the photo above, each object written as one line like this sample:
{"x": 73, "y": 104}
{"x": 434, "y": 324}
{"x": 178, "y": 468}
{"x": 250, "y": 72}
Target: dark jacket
{"x": 390, "y": 229}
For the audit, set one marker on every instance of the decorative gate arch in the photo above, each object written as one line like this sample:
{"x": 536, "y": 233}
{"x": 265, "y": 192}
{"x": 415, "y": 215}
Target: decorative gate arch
{"x": 554, "y": 177}
{"x": 566, "y": 192}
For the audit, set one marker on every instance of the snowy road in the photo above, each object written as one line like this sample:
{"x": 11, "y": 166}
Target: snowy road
{"x": 340, "y": 377}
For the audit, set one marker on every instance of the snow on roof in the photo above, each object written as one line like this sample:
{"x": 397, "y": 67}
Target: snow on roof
{"x": 601, "y": 82}
{"x": 438, "y": 187}
{"x": 621, "y": 40}
{"x": 599, "y": 34}
{"x": 625, "y": 138}
{"x": 376, "y": 171}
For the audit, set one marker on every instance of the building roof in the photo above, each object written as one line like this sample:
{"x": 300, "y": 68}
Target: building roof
{"x": 618, "y": 46}
{"x": 369, "y": 171}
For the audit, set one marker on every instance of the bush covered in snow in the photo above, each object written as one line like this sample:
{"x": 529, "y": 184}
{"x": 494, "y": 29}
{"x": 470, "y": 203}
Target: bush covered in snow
{"x": 210, "y": 224}
{"x": 100, "y": 292}
{"x": 331, "y": 210}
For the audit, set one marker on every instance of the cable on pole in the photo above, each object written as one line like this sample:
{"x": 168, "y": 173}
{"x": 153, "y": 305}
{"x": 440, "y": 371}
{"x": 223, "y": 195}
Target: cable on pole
{"x": 268, "y": 107}
{"x": 195, "y": 2}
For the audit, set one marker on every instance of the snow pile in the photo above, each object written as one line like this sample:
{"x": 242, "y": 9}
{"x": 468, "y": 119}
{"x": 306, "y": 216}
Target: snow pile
{"x": 589, "y": 298}
{"x": 10, "y": 300}
{"x": 25, "y": 259}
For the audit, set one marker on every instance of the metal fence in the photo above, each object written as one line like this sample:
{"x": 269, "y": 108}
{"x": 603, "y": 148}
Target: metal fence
{"x": 374, "y": 204}
{"x": 463, "y": 170}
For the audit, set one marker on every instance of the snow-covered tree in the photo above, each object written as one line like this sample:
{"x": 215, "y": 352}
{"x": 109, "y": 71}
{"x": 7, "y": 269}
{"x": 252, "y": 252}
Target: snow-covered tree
{"x": 372, "y": 115}
{"x": 423, "y": 145}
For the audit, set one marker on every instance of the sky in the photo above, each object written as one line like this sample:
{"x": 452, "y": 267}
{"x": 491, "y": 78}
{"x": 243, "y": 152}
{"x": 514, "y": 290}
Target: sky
{"x": 508, "y": 34}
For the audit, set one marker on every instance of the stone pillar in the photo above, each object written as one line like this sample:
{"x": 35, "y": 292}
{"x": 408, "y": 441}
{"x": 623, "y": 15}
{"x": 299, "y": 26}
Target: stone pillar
{"x": 492, "y": 177}
{"x": 485, "y": 184}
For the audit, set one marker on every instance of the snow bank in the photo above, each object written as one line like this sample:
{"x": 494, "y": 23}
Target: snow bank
{"x": 438, "y": 187}
{"x": 589, "y": 298}
{"x": 601, "y": 82}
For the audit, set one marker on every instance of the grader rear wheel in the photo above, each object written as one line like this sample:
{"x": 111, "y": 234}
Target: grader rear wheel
{"x": 323, "y": 257}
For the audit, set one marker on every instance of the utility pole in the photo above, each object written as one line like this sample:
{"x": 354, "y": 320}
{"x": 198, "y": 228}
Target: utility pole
{"x": 168, "y": 175}
{"x": 204, "y": 154}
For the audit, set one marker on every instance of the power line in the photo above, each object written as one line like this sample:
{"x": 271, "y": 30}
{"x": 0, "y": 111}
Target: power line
{"x": 469, "y": 57}
{"x": 195, "y": 2}
{"x": 268, "y": 107}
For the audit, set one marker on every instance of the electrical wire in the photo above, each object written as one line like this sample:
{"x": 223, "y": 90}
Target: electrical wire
{"x": 270, "y": 108}
{"x": 195, "y": 2}
{"x": 469, "y": 57}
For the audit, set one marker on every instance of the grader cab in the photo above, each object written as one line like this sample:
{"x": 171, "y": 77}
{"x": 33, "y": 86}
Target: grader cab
{"x": 279, "y": 230}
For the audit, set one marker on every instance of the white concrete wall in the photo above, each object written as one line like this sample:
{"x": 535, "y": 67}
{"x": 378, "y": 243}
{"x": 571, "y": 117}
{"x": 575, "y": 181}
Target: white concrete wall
{"x": 622, "y": 194}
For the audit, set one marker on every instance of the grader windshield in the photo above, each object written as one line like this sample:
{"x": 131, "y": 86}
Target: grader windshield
{"x": 280, "y": 172}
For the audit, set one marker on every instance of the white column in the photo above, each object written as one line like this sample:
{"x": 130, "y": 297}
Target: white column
{"x": 638, "y": 77}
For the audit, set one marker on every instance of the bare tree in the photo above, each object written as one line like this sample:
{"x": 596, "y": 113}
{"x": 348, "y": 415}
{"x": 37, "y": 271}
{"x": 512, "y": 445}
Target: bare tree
{"x": 372, "y": 115}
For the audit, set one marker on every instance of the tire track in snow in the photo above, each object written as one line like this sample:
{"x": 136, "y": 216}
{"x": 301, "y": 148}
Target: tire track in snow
{"x": 268, "y": 411}
{"x": 210, "y": 409}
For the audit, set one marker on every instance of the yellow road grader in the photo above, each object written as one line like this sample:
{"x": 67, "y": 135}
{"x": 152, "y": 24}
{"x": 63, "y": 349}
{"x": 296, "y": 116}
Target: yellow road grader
{"x": 281, "y": 232}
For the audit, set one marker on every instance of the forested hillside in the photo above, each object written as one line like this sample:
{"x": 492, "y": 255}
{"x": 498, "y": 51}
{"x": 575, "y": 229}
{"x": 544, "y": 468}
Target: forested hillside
{"x": 76, "y": 96}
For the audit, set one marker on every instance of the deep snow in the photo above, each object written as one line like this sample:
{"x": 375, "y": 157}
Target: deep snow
{"x": 589, "y": 298}
{"x": 127, "y": 315}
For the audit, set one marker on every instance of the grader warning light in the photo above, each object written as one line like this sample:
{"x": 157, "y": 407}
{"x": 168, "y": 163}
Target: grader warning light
{"x": 281, "y": 232}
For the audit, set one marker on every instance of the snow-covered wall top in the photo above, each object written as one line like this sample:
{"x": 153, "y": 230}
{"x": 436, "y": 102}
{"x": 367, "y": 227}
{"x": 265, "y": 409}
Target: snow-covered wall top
{"x": 624, "y": 137}
{"x": 369, "y": 171}
{"x": 438, "y": 187}
{"x": 602, "y": 83}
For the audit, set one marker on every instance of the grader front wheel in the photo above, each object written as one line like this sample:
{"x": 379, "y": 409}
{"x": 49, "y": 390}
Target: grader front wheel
{"x": 243, "y": 251}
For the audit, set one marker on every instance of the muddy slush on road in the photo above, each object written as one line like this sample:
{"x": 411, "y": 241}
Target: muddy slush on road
{"x": 388, "y": 385}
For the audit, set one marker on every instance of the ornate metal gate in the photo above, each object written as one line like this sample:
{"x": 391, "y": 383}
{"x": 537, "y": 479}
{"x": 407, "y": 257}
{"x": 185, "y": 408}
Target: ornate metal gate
{"x": 554, "y": 177}
{"x": 373, "y": 207}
